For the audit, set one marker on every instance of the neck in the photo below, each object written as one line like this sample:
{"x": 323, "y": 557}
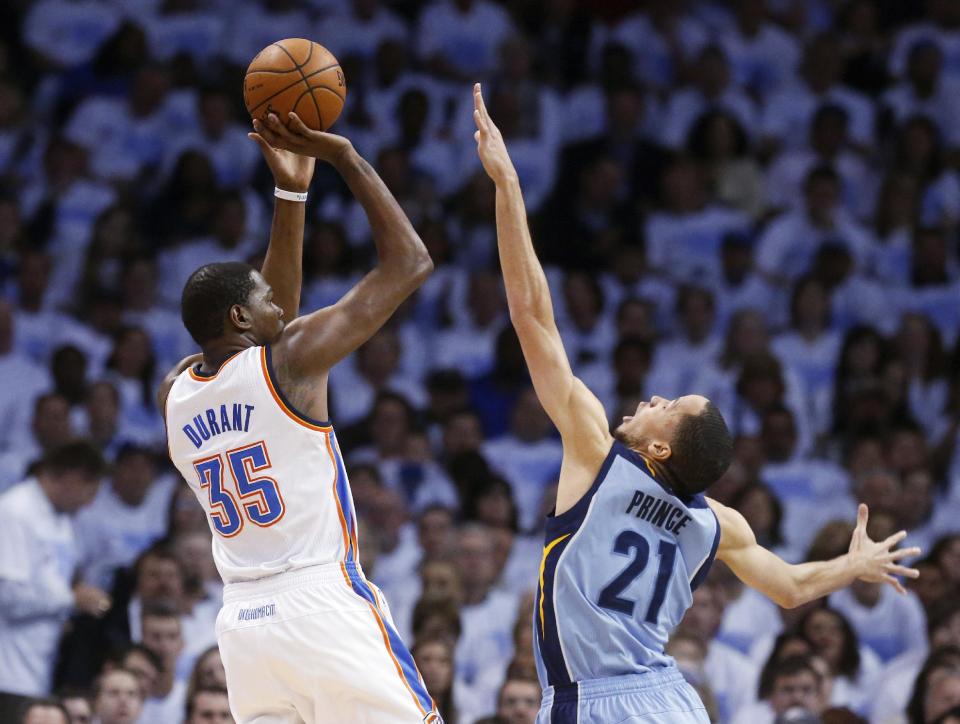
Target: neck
{"x": 665, "y": 475}
{"x": 164, "y": 682}
{"x": 216, "y": 353}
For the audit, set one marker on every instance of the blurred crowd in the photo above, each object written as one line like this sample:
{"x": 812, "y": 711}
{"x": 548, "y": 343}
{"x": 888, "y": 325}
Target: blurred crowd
{"x": 755, "y": 200}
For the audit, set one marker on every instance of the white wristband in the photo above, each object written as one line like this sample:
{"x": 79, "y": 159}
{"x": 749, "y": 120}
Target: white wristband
{"x": 289, "y": 195}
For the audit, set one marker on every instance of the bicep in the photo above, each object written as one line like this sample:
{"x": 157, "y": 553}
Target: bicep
{"x": 319, "y": 340}
{"x": 750, "y": 562}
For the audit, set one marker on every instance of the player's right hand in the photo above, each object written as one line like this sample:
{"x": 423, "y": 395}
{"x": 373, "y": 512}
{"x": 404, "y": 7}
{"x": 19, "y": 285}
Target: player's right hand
{"x": 297, "y": 137}
{"x": 490, "y": 146}
{"x": 91, "y": 600}
{"x": 876, "y": 561}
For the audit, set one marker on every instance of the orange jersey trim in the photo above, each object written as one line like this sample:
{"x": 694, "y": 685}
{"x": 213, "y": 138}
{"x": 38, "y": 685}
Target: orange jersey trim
{"x": 201, "y": 378}
{"x": 292, "y": 414}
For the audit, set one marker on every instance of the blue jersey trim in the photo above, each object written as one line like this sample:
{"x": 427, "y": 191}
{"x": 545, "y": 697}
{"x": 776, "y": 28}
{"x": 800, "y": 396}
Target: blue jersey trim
{"x": 547, "y": 633}
{"x": 397, "y": 647}
{"x": 283, "y": 397}
{"x": 705, "y": 568}
{"x": 566, "y": 702}
{"x": 343, "y": 495}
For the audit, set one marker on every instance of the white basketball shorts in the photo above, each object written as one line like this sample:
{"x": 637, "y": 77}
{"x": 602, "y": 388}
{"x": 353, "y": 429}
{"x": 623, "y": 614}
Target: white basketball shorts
{"x": 317, "y": 646}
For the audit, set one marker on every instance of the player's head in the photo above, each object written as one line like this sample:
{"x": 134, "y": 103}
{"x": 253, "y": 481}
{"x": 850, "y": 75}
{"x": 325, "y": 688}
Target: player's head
{"x": 687, "y": 436}
{"x": 230, "y": 299}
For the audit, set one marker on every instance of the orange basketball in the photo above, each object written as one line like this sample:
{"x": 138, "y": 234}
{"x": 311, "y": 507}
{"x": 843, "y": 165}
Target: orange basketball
{"x": 295, "y": 75}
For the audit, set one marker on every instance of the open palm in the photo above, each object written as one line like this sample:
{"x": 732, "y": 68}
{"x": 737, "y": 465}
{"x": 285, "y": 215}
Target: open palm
{"x": 878, "y": 559}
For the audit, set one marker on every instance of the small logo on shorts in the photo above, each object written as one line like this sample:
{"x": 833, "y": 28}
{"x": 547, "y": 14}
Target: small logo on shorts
{"x": 255, "y": 614}
{"x": 433, "y": 718}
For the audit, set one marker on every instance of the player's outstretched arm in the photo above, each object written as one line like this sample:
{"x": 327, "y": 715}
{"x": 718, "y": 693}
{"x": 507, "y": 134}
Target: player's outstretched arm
{"x": 575, "y": 410}
{"x": 283, "y": 265}
{"x": 315, "y": 342}
{"x": 793, "y": 585}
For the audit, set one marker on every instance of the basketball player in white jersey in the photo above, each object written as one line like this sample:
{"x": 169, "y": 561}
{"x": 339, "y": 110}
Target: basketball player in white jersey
{"x": 632, "y": 534}
{"x": 303, "y": 635}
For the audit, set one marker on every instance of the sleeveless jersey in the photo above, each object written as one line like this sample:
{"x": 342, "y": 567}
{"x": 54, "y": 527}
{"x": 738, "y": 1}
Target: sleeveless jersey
{"x": 271, "y": 480}
{"x": 618, "y": 572}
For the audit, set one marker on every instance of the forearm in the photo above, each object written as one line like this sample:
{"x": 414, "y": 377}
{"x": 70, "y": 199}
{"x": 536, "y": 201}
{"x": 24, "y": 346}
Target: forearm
{"x": 399, "y": 248}
{"x": 283, "y": 265}
{"x": 528, "y": 294}
{"x": 22, "y": 602}
{"x": 821, "y": 578}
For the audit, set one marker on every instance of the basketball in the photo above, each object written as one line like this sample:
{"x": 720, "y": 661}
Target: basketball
{"x": 295, "y": 75}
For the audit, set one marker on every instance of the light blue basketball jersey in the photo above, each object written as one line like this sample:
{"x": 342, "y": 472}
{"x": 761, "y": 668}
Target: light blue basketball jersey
{"x": 618, "y": 572}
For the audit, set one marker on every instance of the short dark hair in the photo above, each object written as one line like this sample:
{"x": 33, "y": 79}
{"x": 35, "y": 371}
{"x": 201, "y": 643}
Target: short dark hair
{"x": 45, "y": 703}
{"x": 119, "y": 657}
{"x": 702, "y": 450}
{"x": 191, "y": 705}
{"x": 791, "y": 666}
{"x": 74, "y": 457}
{"x": 209, "y": 294}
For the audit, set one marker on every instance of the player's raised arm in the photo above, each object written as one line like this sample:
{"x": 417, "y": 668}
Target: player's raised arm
{"x": 792, "y": 585}
{"x": 315, "y": 342}
{"x": 575, "y": 411}
{"x": 283, "y": 265}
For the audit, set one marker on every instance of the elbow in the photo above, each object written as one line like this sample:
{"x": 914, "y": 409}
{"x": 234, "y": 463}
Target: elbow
{"x": 792, "y": 598}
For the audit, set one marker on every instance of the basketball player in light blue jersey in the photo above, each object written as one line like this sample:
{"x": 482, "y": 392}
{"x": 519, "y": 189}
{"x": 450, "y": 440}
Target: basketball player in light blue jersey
{"x": 632, "y": 534}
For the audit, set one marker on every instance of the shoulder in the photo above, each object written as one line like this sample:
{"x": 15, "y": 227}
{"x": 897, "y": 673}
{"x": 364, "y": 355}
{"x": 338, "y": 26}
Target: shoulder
{"x": 735, "y": 532}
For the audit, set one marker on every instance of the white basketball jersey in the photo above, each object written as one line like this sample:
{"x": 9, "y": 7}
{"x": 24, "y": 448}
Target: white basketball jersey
{"x": 271, "y": 480}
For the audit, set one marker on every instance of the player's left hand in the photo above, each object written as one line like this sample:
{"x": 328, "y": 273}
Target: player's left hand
{"x": 291, "y": 171}
{"x": 876, "y": 561}
{"x": 490, "y": 146}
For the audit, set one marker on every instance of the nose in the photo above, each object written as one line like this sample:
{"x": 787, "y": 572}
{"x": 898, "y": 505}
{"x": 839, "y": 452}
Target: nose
{"x": 656, "y": 400}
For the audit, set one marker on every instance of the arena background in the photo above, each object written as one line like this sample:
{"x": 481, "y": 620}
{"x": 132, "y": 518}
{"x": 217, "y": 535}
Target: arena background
{"x": 753, "y": 200}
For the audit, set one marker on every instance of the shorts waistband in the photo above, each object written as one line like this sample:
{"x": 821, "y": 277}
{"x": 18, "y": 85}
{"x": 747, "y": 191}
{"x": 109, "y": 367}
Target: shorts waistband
{"x": 323, "y": 574}
{"x": 611, "y": 685}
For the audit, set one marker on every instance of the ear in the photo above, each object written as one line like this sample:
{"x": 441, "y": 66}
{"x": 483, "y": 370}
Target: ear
{"x": 240, "y": 317}
{"x": 659, "y": 450}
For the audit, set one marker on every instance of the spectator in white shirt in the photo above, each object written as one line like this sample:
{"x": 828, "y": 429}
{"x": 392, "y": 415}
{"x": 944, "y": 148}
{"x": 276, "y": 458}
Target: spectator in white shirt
{"x": 787, "y": 115}
{"x": 712, "y": 90}
{"x": 38, "y": 561}
{"x": 794, "y": 682}
{"x": 118, "y": 698}
{"x": 529, "y": 456}
{"x": 255, "y": 25}
{"x": 678, "y": 362}
{"x": 829, "y": 146}
{"x": 718, "y": 140}
{"x": 124, "y": 136}
{"x": 460, "y": 38}
{"x": 163, "y": 634}
{"x": 920, "y": 152}
{"x": 853, "y": 665}
{"x": 683, "y": 238}
{"x": 220, "y": 137}
{"x": 786, "y": 248}
{"x": 730, "y": 674}
{"x": 360, "y": 29}
{"x": 762, "y": 55}
{"x": 49, "y": 428}
{"x": 126, "y": 517}
{"x": 16, "y": 400}
{"x": 925, "y": 91}
{"x": 185, "y": 27}
{"x": 67, "y": 33}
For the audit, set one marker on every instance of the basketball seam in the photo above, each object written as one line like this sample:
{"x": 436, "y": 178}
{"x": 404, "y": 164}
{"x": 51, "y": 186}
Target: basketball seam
{"x": 303, "y": 75}
{"x": 286, "y": 88}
